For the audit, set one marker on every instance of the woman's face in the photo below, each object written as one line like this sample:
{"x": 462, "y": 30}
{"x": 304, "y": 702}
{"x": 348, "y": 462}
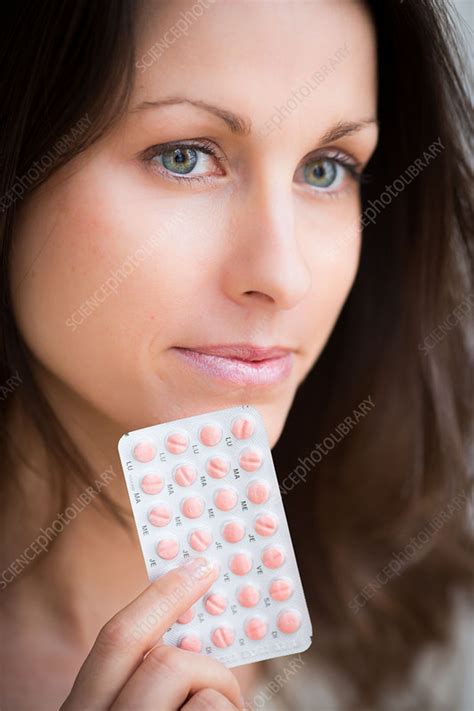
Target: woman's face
{"x": 130, "y": 253}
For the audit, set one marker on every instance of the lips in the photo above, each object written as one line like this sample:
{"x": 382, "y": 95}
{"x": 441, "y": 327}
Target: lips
{"x": 240, "y": 363}
{"x": 243, "y": 351}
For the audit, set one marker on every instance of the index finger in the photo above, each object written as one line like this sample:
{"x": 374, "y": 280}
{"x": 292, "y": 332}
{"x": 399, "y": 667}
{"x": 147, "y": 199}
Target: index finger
{"x": 123, "y": 641}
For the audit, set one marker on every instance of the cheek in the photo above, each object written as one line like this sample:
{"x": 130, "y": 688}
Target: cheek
{"x": 333, "y": 250}
{"x": 339, "y": 258}
{"x": 96, "y": 280}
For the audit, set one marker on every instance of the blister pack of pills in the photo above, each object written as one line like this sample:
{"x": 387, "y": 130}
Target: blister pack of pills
{"x": 206, "y": 486}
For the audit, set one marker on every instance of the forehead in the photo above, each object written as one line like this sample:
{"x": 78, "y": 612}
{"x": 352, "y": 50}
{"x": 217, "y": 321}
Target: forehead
{"x": 249, "y": 56}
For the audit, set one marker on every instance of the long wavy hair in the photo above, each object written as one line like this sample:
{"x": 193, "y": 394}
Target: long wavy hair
{"x": 402, "y": 338}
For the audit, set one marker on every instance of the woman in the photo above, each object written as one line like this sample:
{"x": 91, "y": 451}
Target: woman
{"x": 178, "y": 177}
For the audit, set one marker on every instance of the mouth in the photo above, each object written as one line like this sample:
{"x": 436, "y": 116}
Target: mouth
{"x": 241, "y": 363}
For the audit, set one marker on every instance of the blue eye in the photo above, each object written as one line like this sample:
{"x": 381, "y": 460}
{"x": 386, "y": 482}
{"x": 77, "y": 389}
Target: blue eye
{"x": 328, "y": 175}
{"x": 179, "y": 160}
{"x": 191, "y": 162}
{"x": 322, "y": 173}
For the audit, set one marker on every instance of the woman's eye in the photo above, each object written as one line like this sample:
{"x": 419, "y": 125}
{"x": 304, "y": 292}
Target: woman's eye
{"x": 328, "y": 174}
{"x": 186, "y": 162}
{"x": 322, "y": 173}
{"x": 180, "y": 160}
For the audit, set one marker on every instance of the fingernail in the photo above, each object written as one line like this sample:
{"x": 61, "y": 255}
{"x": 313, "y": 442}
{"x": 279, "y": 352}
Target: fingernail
{"x": 199, "y": 567}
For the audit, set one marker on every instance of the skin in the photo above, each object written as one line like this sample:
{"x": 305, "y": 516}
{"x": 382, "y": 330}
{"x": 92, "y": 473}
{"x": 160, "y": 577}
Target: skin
{"x": 246, "y": 256}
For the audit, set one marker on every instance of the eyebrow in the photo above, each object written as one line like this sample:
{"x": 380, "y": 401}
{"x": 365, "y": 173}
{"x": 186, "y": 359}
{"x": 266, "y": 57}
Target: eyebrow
{"x": 243, "y": 126}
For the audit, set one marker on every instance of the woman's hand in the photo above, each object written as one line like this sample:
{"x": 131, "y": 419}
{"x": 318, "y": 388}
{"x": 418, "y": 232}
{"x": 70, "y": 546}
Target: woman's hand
{"x": 130, "y": 668}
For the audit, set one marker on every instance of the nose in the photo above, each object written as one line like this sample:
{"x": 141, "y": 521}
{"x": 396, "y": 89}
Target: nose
{"x": 264, "y": 261}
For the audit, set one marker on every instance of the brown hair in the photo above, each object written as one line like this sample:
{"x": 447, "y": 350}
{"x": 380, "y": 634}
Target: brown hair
{"x": 401, "y": 339}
